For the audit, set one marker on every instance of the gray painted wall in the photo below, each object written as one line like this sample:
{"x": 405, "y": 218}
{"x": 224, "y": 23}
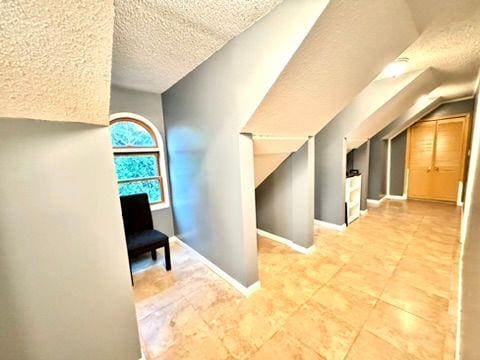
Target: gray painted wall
{"x": 350, "y": 157}
{"x": 285, "y": 199}
{"x": 330, "y": 156}
{"x": 453, "y": 108}
{"x": 397, "y": 163}
{"x": 377, "y": 179}
{"x": 330, "y": 168}
{"x": 206, "y": 177}
{"x": 209, "y": 161}
{"x": 64, "y": 278}
{"x": 470, "y": 304}
{"x": 359, "y": 159}
{"x": 149, "y": 106}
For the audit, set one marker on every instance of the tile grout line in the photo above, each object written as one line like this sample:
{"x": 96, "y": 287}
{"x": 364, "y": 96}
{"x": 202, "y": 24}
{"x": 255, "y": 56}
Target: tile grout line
{"x": 377, "y": 300}
{"x": 298, "y": 308}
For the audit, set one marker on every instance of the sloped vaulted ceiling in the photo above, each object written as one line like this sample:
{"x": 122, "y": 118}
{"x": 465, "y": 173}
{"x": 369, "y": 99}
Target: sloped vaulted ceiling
{"x": 156, "y": 43}
{"x": 348, "y": 46}
{"x": 449, "y": 43}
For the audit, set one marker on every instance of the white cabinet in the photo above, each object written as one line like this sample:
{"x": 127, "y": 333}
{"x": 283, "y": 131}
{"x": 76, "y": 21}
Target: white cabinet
{"x": 353, "y": 189}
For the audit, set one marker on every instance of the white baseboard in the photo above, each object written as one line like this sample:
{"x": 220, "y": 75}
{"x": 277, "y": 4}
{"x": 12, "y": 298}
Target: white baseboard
{"x": 246, "y": 291}
{"x": 460, "y": 193}
{"x": 363, "y": 212}
{"x": 329, "y": 225}
{"x": 302, "y": 249}
{"x": 396, "y": 197}
{"x": 287, "y": 242}
{"x": 274, "y": 237}
{"x": 375, "y": 202}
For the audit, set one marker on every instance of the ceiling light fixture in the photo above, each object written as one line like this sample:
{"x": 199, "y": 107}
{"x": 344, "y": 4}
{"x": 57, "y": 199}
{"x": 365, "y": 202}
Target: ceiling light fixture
{"x": 396, "y": 68}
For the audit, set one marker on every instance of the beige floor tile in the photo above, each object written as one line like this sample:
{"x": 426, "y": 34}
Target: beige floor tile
{"x": 427, "y": 281}
{"x": 360, "y": 279}
{"x": 416, "y": 301}
{"x": 322, "y": 331}
{"x": 378, "y": 264}
{"x": 177, "y": 328}
{"x": 335, "y": 251}
{"x": 214, "y": 299}
{"x": 319, "y": 267}
{"x": 406, "y": 332}
{"x": 352, "y": 306}
{"x": 370, "y": 347}
{"x": 313, "y": 306}
{"x": 283, "y": 346}
{"x": 247, "y": 327}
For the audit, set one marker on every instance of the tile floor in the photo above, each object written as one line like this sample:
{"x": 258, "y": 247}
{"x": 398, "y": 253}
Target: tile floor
{"x": 383, "y": 289}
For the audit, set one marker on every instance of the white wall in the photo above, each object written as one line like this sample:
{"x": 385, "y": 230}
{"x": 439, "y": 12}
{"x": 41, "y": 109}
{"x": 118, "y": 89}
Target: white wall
{"x": 64, "y": 278}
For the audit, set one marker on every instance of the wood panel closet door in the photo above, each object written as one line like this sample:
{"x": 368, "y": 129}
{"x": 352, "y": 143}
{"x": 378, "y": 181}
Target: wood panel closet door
{"x": 422, "y": 142}
{"x": 436, "y": 158}
{"x": 448, "y": 159}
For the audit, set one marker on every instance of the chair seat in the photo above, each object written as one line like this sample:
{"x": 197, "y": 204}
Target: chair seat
{"x": 146, "y": 239}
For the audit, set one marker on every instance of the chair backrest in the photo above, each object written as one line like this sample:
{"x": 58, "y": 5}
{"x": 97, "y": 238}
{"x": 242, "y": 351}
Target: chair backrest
{"x": 136, "y": 213}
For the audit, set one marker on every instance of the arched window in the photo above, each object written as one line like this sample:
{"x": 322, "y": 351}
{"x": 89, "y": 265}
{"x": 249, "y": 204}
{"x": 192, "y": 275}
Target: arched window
{"x": 139, "y": 158}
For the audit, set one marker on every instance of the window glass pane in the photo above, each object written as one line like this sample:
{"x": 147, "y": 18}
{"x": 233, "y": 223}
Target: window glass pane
{"x": 151, "y": 187}
{"x": 128, "y": 133}
{"x": 136, "y": 166}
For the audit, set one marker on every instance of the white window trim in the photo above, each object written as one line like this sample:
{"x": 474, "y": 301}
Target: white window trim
{"x": 160, "y": 149}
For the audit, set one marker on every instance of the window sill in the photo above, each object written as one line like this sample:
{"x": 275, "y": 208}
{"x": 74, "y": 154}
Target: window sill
{"x": 156, "y": 207}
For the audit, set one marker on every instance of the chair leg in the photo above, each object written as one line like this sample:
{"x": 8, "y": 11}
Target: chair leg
{"x": 154, "y": 255}
{"x": 131, "y": 275}
{"x": 168, "y": 264}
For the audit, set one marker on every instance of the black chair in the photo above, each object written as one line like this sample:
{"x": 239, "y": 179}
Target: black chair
{"x": 139, "y": 232}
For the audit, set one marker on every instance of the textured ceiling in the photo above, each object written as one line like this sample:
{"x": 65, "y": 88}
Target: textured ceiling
{"x": 449, "y": 43}
{"x": 394, "y": 95}
{"x": 272, "y": 145}
{"x": 55, "y": 60}
{"x": 156, "y": 43}
{"x": 270, "y": 152}
{"x": 266, "y": 164}
{"x": 423, "y": 106}
{"x": 345, "y": 50}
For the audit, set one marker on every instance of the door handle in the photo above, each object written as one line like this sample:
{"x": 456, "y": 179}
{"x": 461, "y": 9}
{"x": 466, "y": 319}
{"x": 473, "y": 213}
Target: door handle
{"x": 429, "y": 168}
{"x": 436, "y": 168}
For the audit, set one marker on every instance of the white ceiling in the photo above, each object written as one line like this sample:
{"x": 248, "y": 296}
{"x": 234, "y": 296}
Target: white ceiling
{"x": 271, "y": 145}
{"x": 345, "y": 50}
{"x": 270, "y": 152}
{"x": 424, "y": 105}
{"x": 55, "y": 60}
{"x": 156, "y": 43}
{"x": 385, "y": 101}
{"x": 265, "y": 164}
{"x": 449, "y": 43}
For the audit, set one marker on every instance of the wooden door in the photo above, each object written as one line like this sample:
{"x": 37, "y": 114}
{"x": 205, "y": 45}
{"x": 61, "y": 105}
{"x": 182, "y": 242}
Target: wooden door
{"x": 436, "y": 158}
{"x": 448, "y": 159}
{"x": 422, "y": 141}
